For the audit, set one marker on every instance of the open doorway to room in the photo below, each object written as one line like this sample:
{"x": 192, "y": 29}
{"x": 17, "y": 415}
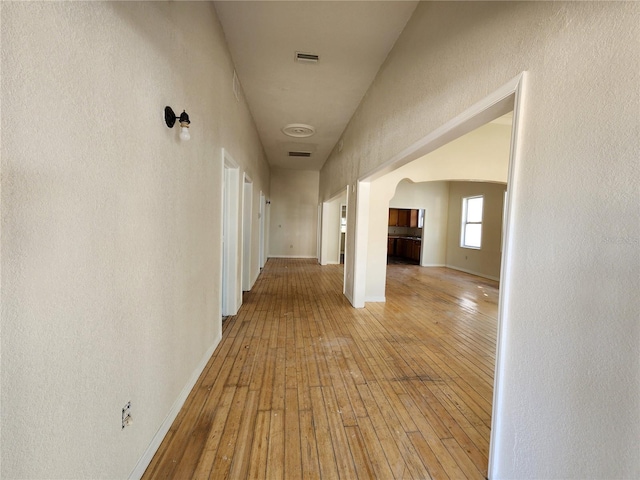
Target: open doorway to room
{"x": 404, "y": 240}
{"x": 333, "y": 229}
{"x": 262, "y": 214}
{"x": 370, "y": 242}
{"x": 343, "y": 231}
{"x": 230, "y": 301}
{"x": 247, "y": 209}
{"x": 473, "y": 164}
{"x": 431, "y": 233}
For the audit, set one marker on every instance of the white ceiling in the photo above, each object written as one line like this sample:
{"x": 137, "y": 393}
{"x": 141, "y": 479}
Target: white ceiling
{"x": 352, "y": 39}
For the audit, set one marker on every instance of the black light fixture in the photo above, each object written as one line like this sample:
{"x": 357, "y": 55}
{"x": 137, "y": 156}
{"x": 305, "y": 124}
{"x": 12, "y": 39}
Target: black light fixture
{"x": 170, "y": 120}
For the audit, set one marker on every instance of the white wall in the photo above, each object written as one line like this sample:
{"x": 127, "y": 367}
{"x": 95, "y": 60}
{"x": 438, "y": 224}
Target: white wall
{"x": 294, "y": 213}
{"x": 111, "y": 240}
{"x": 486, "y": 260}
{"x": 568, "y": 397}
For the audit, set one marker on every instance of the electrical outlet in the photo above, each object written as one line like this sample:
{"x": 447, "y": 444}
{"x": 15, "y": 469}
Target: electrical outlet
{"x": 127, "y": 419}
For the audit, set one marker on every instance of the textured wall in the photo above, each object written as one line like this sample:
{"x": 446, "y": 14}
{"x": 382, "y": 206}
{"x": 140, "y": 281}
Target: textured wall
{"x": 294, "y": 213}
{"x": 486, "y": 260}
{"x": 569, "y": 370}
{"x": 110, "y": 225}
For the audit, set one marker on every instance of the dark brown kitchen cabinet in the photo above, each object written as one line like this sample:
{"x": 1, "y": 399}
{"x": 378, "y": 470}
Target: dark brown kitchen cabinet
{"x": 403, "y": 217}
{"x": 393, "y": 217}
{"x": 415, "y": 250}
{"x": 401, "y": 247}
{"x": 407, "y": 248}
{"x": 413, "y": 218}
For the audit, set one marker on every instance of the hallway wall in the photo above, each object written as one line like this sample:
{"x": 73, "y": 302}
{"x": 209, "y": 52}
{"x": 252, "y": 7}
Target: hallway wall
{"x": 294, "y": 213}
{"x": 568, "y": 351}
{"x": 111, "y": 226}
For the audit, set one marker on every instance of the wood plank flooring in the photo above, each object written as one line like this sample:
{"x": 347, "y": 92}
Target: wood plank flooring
{"x": 305, "y": 386}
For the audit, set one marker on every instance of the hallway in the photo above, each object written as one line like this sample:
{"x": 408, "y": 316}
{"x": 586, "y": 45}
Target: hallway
{"x": 305, "y": 386}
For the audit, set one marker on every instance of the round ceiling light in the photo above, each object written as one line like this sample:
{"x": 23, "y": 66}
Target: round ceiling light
{"x": 298, "y": 130}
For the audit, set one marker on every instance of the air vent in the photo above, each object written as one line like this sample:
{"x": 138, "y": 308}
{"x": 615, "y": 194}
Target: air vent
{"x": 302, "y": 57}
{"x": 299, "y": 154}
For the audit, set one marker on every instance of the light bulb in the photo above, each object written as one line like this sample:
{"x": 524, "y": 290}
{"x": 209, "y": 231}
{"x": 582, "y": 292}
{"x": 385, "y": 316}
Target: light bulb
{"x": 184, "y": 133}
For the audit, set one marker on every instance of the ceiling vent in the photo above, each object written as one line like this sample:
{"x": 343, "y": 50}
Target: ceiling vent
{"x": 302, "y": 57}
{"x": 299, "y": 154}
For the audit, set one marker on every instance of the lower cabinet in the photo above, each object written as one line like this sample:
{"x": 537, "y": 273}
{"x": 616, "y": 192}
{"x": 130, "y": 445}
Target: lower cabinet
{"x": 404, "y": 248}
{"x": 415, "y": 250}
{"x": 401, "y": 247}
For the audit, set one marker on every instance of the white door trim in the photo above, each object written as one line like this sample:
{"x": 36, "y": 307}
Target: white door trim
{"x": 509, "y": 97}
{"x": 230, "y": 205}
{"x": 247, "y": 232}
{"x": 261, "y": 248}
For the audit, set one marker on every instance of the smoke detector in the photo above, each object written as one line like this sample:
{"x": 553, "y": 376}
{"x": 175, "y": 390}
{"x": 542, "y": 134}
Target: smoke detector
{"x": 298, "y": 130}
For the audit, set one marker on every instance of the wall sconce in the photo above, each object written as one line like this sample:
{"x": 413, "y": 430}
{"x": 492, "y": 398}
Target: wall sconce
{"x": 170, "y": 120}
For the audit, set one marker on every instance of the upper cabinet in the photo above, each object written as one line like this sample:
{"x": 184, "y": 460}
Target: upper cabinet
{"x": 402, "y": 217}
{"x": 413, "y": 218}
{"x": 393, "y": 217}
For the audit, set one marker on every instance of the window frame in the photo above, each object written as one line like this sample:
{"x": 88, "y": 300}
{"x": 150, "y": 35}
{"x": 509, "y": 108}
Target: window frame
{"x": 465, "y": 222}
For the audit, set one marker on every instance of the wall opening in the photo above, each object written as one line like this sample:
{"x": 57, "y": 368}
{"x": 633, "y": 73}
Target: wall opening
{"x": 230, "y": 301}
{"x": 507, "y": 98}
{"x": 262, "y": 214}
{"x": 247, "y": 210}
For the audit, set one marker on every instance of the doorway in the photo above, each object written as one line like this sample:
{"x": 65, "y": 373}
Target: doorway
{"x": 262, "y": 213}
{"x": 333, "y": 231}
{"x": 368, "y": 273}
{"x": 343, "y": 231}
{"x": 247, "y": 208}
{"x": 230, "y": 215}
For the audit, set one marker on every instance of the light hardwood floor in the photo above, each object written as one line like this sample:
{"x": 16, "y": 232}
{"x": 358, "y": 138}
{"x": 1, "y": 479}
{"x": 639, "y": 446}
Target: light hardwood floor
{"x": 305, "y": 386}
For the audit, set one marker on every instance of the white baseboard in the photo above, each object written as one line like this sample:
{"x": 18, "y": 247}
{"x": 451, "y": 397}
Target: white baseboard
{"x": 151, "y": 450}
{"x": 434, "y": 265}
{"x": 375, "y": 299}
{"x": 477, "y": 274}
{"x": 348, "y": 297}
{"x": 293, "y": 256}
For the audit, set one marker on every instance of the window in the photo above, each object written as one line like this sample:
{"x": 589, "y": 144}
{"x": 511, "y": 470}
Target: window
{"x": 471, "y": 236}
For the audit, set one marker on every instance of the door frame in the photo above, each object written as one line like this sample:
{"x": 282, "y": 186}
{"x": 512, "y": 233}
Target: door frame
{"x": 329, "y": 211}
{"x": 342, "y": 205}
{"x": 510, "y": 96}
{"x": 230, "y": 206}
{"x": 262, "y": 211}
{"x": 247, "y": 230}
